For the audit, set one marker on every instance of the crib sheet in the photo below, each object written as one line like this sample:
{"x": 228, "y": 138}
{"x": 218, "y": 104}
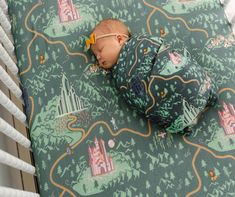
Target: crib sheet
{"x": 85, "y": 139}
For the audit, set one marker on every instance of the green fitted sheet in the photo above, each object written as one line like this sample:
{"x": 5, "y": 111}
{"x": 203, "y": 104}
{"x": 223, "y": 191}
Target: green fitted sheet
{"x": 85, "y": 139}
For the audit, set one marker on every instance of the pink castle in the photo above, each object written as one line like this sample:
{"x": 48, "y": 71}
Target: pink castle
{"x": 227, "y": 118}
{"x": 99, "y": 161}
{"x": 67, "y": 11}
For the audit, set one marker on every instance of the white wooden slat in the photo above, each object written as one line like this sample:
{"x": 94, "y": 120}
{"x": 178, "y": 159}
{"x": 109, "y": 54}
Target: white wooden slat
{"x": 10, "y": 160}
{"x": 7, "y": 80}
{"x": 229, "y": 9}
{"x": 5, "y": 57}
{"x": 6, "y": 41}
{"x": 10, "y": 192}
{"x": 5, "y": 23}
{"x": 224, "y": 1}
{"x": 12, "y": 108}
{"x": 233, "y": 28}
{"x": 4, "y": 6}
{"x": 11, "y": 132}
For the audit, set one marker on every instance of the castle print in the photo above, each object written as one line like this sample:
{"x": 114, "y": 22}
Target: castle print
{"x": 99, "y": 161}
{"x": 227, "y": 118}
{"x": 67, "y": 11}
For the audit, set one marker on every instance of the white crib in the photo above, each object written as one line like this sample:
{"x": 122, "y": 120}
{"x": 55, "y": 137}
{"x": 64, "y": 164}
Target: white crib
{"x": 17, "y": 173}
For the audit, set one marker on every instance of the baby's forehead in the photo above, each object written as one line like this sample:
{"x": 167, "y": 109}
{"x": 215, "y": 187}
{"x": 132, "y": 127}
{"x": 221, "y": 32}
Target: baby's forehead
{"x": 95, "y": 46}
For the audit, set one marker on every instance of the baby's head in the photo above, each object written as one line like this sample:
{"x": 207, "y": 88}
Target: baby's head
{"x": 110, "y": 35}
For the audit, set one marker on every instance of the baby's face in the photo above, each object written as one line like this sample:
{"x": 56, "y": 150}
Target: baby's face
{"x": 107, "y": 51}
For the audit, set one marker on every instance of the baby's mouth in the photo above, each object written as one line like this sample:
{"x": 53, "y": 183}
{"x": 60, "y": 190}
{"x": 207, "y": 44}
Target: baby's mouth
{"x": 103, "y": 63}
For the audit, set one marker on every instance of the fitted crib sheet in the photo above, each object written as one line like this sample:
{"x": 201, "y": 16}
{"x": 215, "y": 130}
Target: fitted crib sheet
{"x": 85, "y": 139}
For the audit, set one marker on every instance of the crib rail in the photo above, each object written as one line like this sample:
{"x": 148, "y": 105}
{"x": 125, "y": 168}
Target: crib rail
{"x": 229, "y": 9}
{"x": 11, "y": 85}
{"x": 9, "y": 192}
{"x": 13, "y": 126}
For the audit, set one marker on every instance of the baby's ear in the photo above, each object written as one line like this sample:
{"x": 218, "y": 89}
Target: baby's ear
{"x": 121, "y": 39}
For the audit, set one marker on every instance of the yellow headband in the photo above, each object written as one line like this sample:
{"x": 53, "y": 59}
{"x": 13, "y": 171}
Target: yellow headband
{"x": 93, "y": 38}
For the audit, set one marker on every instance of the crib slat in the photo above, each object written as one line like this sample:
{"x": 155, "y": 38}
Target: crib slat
{"x": 229, "y": 10}
{"x": 224, "y": 1}
{"x": 10, "y": 160}
{"x": 4, "y": 21}
{"x": 12, "y": 108}
{"x": 6, "y": 41}
{"x": 10, "y": 192}
{"x": 14, "y": 134}
{"x": 7, "y": 80}
{"x": 5, "y": 57}
{"x": 4, "y": 6}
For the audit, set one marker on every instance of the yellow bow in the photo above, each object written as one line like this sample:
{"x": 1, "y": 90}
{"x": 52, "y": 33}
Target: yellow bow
{"x": 90, "y": 41}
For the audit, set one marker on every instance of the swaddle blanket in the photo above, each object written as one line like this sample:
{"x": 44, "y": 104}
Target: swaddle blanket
{"x": 164, "y": 83}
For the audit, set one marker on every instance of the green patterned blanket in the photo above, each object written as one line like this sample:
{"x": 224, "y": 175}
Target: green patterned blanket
{"x": 85, "y": 139}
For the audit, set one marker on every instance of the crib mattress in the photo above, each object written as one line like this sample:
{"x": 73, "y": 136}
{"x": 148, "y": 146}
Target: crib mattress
{"x": 85, "y": 139}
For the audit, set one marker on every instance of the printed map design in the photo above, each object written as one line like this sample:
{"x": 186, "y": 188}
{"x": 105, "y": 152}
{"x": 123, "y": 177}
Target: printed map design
{"x": 85, "y": 139}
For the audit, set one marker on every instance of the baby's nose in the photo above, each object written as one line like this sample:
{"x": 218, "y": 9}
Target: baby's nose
{"x": 98, "y": 57}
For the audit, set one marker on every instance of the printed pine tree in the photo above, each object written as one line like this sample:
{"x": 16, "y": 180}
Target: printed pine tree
{"x": 176, "y": 195}
{"x": 217, "y": 172}
{"x": 172, "y": 176}
{"x": 72, "y": 66}
{"x": 72, "y": 174}
{"x": 132, "y": 142}
{"x": 43, "y": 165}
{"x": 151, "y": 147}
{"x": 139, "y": 153}
{"x": 73, "y": 162}
{"x": 48, "y": 157}
{"x": 151, "y": 167}
{"x": 142, "y": 123}
{"x": 137, "y": 165}
{"x": 226, "y": 171}
{"x": 128, "y": 192}
{"x": 54, "y": 56}
{"x": 147, "y": 184}
{"x": 133, "y": 155}
{"x": 186, "y": 182}
{"x": 59, "y": 170}
{"x": 171, "y": 161}
{"x": 203, "y": 163}
{"x": 205, "y": 173}
{"x": 101, "y": 130}
{"x": 205, "y": 189}
{"x": 158, "y": 190}
{"x": 37, "y": 48}
{"x": 189, "y": 174}
{"x": 166, "y": 175}
{"x": 231, "y": 142}
{"x": 96, "y": 184}
{"x": 21, "y": 31}
{"x": 46, "y": 187}
{"x": 84, "y": 188}
{"x": 52, "y": 91}
{"x": 228, "y": 95}
{"x": 181, "y": 146}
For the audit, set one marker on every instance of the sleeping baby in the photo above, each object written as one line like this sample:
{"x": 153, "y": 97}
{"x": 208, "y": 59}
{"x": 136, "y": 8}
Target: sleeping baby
{"x": 161, "y": 82}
